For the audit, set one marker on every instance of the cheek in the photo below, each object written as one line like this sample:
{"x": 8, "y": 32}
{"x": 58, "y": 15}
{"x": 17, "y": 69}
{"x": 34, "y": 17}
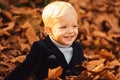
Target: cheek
{"x": 76, "y": 31}
{"x": 59, "y": 32}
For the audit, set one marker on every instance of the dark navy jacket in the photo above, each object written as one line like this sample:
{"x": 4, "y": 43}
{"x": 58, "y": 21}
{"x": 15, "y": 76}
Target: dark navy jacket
{"x": 43, "y": 55}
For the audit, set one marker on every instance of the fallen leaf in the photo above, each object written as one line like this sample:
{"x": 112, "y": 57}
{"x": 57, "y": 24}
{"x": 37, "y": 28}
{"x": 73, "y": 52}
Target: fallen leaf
{"x": 7, "y": 14}
{"x": 113, "y": 64}
{"x": 99, "y": 68}
{"x": 106, "y": 75}
{"x": 55, "y": 72}
{"x": 103, "y": 53}
{"x": 30, "y": 32}
{"x": 18, "y": 59}
{"x": 91, "y": 65}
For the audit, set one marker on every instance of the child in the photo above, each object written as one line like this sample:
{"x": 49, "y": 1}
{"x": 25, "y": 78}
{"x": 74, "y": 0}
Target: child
{"x": 59, "y": 48}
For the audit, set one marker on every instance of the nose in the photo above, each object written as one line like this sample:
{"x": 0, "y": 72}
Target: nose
{"x": 70, "y": 30}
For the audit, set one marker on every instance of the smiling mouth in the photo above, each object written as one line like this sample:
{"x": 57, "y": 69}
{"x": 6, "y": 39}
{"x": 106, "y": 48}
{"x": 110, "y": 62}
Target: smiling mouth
{"x": 69, "y": 37}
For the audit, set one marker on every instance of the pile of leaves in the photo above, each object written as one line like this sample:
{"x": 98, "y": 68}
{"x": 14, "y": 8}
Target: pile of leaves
{"x": 99, "y": 33}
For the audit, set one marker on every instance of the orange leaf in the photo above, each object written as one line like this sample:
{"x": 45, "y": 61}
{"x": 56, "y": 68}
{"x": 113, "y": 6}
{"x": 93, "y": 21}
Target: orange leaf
{"x": 19, "y": 59}
{"x": 30, "y": 32}
{"x": 55, "y": 73}
{"x": 99, "y": 68}
{"x": 114, "y": 63}
{"x": 106, "y": 75}
{"x": 91, "y": 65}
{"x": 7, "y": 14}
{"x": 2, "y": 47}
{"x": 103, "y": 53}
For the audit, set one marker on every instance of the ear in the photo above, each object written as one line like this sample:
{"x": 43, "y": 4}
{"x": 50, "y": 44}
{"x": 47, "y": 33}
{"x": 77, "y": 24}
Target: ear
{"x": 48, "y": 30}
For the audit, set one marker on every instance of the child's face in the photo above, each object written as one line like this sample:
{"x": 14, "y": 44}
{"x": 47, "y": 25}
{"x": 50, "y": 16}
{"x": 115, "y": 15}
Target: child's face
{"x": 65, "y": 29}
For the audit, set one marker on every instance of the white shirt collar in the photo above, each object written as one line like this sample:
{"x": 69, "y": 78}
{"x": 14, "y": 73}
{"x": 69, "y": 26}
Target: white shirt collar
{"x": 59, "y": 45}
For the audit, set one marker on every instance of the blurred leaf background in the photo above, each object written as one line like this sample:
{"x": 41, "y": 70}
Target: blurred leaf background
{"x": 99, "y": 33}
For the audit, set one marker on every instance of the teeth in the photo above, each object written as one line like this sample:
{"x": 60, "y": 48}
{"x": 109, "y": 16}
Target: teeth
{"x": 69, "y": 37}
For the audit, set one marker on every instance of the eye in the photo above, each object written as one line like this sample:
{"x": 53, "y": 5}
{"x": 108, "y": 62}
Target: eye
{"x": 63, "y": 27}
{"x": 75, "y": 26}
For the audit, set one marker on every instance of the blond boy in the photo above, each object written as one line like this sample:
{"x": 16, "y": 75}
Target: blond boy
{"x": 59, "y": 48}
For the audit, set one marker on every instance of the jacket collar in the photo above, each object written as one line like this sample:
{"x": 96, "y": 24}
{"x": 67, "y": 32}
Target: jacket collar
{"x": 55, "y": 51}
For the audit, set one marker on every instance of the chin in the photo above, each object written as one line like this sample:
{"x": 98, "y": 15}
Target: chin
{"x": 67, "y": 44}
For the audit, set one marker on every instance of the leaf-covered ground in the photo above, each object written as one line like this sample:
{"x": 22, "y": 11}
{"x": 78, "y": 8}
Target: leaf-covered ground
{"x": 99, "y": 28}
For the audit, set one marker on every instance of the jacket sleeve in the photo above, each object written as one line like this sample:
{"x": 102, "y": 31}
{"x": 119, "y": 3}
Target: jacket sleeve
{"x": 27, "y": 68}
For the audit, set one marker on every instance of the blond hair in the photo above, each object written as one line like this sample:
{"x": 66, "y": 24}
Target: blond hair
{"x": 56, "y": 10}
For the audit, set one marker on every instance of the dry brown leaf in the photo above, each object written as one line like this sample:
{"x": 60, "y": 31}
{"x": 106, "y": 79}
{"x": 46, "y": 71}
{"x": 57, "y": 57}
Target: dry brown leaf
{"x": 110, "y": 19}
{"x": 18, "y": 59}
{"x": 113, "y": 37}
{"x": 91, "y": 65}
{"x": 99, "y": 34}
{"x": 114, "y": 23}
{"x": 83, "y": 76}
{"x": 117, "y": 11}
{"x": 103, "y": 53}
{"x": 7, "y": 14}
{"x": 99, "y": 68}
{"x": 86, "y": 26}
{"x": 90, "y": 54}
{"x": 2, "y": 47}
{"x": 9, "y": 25}
{"x": 16, "y": 10}
{"x": 99, "y": 6}
{"x": 105, "y": 43}
{"x": 55, "y": 72}
{"x": 26, "y": 11}
{"x": 24, "y": 46}
{"x": 113, "y": 64}
{"x": 3, "y": 33}
{"x": 118, "y": 75}
{"x": 5, "y": 30}
{"x": 1, "y": 24}
{"x": 3, "y": 70}
{"x": 3, "y": 57}
{"x": 106, "y": 75}
{"x": 22, "y": 1}
{"x": 88, "y": 41}
{"x": 5, "y": 67}
{"x": 30, "y": 32}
